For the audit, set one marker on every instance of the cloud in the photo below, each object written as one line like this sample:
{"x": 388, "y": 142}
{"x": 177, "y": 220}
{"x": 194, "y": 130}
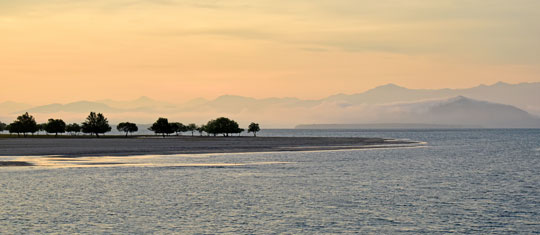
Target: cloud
{"x": 244, "y": 33}
{"x": 467, "y": 31}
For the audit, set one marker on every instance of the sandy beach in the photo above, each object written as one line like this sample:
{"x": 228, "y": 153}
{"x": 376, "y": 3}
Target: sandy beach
{"x": 81, "y": 147}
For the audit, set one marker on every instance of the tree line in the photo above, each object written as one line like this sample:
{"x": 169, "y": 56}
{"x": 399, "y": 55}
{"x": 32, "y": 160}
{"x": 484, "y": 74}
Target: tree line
{"x": 97, "y": 123}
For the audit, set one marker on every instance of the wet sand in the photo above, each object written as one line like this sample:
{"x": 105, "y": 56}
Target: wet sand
{"x": 15, "y": 163}
{"x": 81, "y": 147}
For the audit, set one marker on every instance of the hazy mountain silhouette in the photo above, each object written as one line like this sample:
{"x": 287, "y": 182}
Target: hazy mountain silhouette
{"x": 194, "y": 103}
{"x": 235, "y": 104}
{"x": 462, "y": 110}
{"x": 447, "y": 113}
{"x": 524, "y": 95}
{"x": 391, "y": 93}
{"x": 75, "y": 107}
{"x": 142, "y": 103}
{"x": 465, "y": 111}
{"x": 505, "y": 105}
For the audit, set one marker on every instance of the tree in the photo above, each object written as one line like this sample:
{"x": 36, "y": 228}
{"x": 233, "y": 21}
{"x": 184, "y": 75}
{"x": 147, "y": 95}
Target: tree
{"x": 211, "y": 128}
{"x": 55, "y": 126}
{"x": 24, "y": 124}
{"x": 239, "y": 130}
{"x": 73, "y": 128}
{"x": 14, "y": 128}
{"x": 3, "y": 127}
{"x": 192, "y": 127}
{"x": 127, "y": 127}
{"x": 96, "y": 124}
{"x": 162, "y": 126}
{"x": 222, "y": 126}
{"x": 178, "y": 127}
{"x": 8, "y": 128}
{"x": 254, "y": 127}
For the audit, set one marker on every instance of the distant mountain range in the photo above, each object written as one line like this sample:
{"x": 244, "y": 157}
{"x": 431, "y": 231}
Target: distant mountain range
{"x": 457, "y": 112}
{"x": 525, "y": 96}
{"x": 497, "y": 105}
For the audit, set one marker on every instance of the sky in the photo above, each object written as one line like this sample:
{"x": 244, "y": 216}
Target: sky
{"x": 176, "y": 50}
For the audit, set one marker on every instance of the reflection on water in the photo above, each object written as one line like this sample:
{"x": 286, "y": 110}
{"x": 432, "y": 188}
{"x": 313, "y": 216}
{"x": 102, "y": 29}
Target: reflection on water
{"x": 130, "y": 161}
{"x": 464, "y": 181}
{"x": 57, "y": 161}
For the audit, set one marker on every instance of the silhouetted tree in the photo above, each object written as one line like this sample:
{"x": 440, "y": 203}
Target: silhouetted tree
{"x": 162, "y": 126}
{"x": 127, "y": 127}
{"x": 254, "y": 127}
{"x": 178, "y": 127}
{"x": 24, "y": 124}
{"x": 2, "y": 126}
{"x": 239, "y": 131}
{"x": 55, "y": 126}
{"x": 192, "y": 127}
{"x": 222, "y": 126}
{"x": 14, "y": 128}
{"x": 73, "y": 128}
{"x": 96, "y": 124}
{"x": 211, "y": 128}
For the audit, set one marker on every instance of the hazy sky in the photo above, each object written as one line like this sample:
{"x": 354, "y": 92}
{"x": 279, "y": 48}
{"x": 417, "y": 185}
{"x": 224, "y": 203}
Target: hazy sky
{"x": 66, "y": 50}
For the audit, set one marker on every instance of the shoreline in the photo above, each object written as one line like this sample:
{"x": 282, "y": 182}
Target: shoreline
{"x": 118, "y": 147}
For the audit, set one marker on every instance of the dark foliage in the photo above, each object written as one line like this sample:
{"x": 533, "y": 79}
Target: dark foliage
{"x": 3, "y": 126}
{"x": 222, "y": 126}
{"x": 254, "y": 127}
{"x": 55, "y": 126}
{"x": 96, "y": 124}
{"x": 24, "y": 124}
{"x": 73, "y": 128}
{"x": 162, "y": 126}
{"x": 178, "y": 127}
{"x": 127, "y": 127}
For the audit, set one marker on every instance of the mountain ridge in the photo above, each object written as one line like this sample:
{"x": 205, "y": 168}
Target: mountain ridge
{"x": 455, "y": 112}
{"x": 376, "y": 105}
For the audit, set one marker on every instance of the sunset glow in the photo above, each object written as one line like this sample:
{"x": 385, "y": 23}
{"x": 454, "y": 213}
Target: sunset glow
{"x": 178, "y": 50}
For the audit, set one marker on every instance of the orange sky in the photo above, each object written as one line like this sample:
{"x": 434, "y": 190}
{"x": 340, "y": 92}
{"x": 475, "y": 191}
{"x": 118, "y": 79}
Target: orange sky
{"x": 61, "y": 51}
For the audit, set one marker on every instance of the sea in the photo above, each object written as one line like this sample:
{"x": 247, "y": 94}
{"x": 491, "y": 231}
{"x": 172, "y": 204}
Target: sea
{"x": 479, "y": 181}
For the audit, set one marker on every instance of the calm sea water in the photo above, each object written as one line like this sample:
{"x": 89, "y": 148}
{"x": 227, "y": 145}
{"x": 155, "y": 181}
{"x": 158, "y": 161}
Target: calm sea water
{"x": 462, "y": 181}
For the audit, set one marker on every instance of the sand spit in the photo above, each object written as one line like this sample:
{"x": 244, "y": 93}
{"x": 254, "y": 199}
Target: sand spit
{"x": 82, "y": 147}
